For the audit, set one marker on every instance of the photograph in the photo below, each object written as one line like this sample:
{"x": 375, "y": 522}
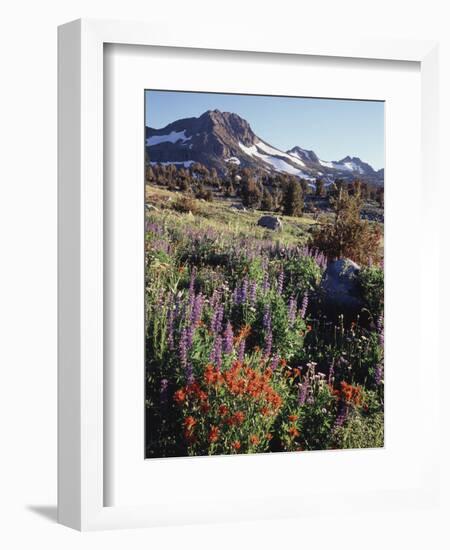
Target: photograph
{"x": 264, "y": 273}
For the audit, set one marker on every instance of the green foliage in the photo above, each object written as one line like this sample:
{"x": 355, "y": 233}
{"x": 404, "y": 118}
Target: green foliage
{"x": 361, "y": 431}
{"x": 371, "y": 280}
{"x": 302, "y": 275}
{"x": 320, "y": 188}
{"x": 267, "y": 202}
{"x": 203, "y": 193}
{"x": 185, "y": 205}
{"x": 293, "y": 198}
{"x": 349, "y": 236}
{"x": 251, "y": 193}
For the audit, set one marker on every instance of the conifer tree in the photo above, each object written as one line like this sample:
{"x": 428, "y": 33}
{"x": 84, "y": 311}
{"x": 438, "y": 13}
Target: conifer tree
{"x": 267, "y": 202}
{"x": 319, "y": 187}
{"x": 293, "y": 198}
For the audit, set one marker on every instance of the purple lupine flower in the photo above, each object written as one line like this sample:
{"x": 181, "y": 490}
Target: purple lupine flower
{"x": 228, "y": 339}
{"x": 378, "y": 374}
{"x": 161, "y": 245}
{"x": 190, "y": 373}
{"x": 243, "y": 293}
{"x": 241, "y": 350}
{"x": 267, "y": 324}
{"x": 321, "y": 260}
{"x": 303, "y": 391}
{"x": 190, "y": 336}
{"x": 235, "y": 296}
{"x": 267, "y": 319}
{"x": 239, "y": 295}
{"x": 154, "y": 228}
{"x": 183, "y": 348}
{"x": 216, "y": 319}
{"x": 252, "y": 292}
{"x": 280, "y": 282}
{"x": 341, "y": 415}
{"x": 216, "y": 352}
{"x": 163, "y": 391}
{"x": 274, "y": 362}
{"x": 219, "y": 319}
{"x": 292, "y": 310}
{"x": 195, "y": 317}
{"x": 215, "y": 308}
{"x": 178, "y": 306}
{"x": 197, "y": 309}
{"x": 304, "y": 305}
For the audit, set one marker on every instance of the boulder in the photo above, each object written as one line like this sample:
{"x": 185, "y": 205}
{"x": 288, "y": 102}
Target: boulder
{"x": 339, "y": 288}
{"x": 270, "y": 222}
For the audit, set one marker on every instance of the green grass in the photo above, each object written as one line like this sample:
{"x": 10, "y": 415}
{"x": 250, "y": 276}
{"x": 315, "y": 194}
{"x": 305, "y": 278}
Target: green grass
{"x": 219, "y": 216}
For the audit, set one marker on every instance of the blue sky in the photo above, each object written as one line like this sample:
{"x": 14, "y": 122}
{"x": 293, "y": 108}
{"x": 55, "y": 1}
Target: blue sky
{"x": 332, "y": 128}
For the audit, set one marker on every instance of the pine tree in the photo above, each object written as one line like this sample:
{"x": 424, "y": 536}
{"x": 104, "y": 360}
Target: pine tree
{"x": 293, "y": 198}
{"x": 267, "y": 202}
{"x": 319, "y": 187}
{"x": 250, "y": 192}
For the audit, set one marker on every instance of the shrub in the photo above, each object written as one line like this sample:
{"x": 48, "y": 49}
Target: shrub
{"x": 349, "y": 236}
{"x": 185, "y": 205}
{"x": 205, "y": 194}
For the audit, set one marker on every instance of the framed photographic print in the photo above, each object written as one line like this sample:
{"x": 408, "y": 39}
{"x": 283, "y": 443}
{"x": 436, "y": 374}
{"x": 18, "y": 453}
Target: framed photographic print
{"x": 263, "y": 334}
{"x": 235, "y": 316}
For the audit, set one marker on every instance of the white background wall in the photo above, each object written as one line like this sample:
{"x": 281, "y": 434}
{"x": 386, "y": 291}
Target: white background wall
{"x": 28, "y": 268}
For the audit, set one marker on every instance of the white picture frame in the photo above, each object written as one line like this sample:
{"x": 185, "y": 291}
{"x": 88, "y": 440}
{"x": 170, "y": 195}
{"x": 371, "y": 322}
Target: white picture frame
{"x": 81, "y": 402}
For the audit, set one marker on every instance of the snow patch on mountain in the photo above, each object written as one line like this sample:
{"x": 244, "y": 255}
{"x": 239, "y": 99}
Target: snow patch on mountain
{"x": 185, "y": 163}
{"x": 297, "y": 156}
{"x": 277, "y": 163}
{"x": 233, "y": 160}
{"x": 346, "y": 166}
{"x": 173, "y": 137}
{"x": 277, "y": 153}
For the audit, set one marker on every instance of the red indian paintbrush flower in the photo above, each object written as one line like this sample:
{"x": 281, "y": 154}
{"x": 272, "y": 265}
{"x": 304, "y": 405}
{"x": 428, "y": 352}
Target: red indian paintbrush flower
{"x": 213, "y": 434}
{"x": 223, "y": 410}
{"x": 179, "y": 396}
{"x": 189, "y": 422}
{"x": 293, "y": 432}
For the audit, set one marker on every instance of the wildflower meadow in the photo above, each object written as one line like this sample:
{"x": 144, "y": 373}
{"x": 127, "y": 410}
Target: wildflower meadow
{"x": 243, "y": 353}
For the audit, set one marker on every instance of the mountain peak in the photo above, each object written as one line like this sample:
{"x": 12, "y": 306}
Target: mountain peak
{"x": 303, "y": 154}
{"x": 219, "y": 139}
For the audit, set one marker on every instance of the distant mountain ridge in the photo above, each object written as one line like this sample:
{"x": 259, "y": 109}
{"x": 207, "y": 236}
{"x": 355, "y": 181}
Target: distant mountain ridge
{"x": 219, "y": 139}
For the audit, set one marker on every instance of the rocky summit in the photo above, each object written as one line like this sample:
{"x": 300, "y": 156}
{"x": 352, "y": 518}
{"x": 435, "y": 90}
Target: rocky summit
{"x": 223, "y": 140}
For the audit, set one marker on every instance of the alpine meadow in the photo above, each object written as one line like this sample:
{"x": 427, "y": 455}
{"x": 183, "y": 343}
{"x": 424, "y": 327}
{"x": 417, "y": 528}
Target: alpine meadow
{"x": 264, "y": 276}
